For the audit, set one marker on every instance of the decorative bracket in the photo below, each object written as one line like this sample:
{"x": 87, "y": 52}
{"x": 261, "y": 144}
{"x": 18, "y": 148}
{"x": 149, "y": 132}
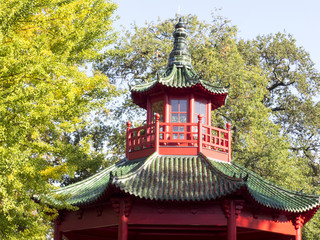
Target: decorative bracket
{"x": 99, "y": 209}
{"x": 238, "y": 206}
{"x": 122, "y": 204}
{"x": 298, "y": 222}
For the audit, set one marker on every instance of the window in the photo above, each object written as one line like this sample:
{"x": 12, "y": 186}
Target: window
{"x": 200, "y": 108}
{"x": 179, "y": 114}
{"x": 158, "y": 107}
{"x": 179, "y": 110}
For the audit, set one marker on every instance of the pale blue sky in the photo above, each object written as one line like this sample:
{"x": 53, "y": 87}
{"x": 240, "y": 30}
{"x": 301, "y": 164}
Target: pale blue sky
{"x": 301, "y": 18}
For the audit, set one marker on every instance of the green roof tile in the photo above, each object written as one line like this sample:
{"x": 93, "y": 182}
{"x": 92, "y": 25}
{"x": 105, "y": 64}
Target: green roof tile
{"x": 180, "y": 77}
{"x": 185, "y": 178}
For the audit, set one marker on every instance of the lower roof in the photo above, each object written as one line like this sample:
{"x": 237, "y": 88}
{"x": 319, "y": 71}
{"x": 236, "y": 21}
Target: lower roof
{"x": 185, "y": 178}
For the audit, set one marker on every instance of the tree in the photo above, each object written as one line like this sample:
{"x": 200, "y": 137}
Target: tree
{"x": 271, "y": 99}
{"x": 44, "y": 99}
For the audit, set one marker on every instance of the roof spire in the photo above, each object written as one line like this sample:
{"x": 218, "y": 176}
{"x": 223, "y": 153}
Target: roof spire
{"x": 180, "y": 56}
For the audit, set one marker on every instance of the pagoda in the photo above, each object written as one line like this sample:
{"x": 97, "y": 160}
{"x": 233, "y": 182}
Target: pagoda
{"x": 177, "y": 180}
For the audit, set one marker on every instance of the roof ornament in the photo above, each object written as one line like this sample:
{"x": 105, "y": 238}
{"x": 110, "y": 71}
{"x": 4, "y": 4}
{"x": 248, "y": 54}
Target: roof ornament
{"x": 180, "y": 55}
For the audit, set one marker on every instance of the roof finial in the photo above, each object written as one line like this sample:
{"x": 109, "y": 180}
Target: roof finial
{"x": 179, "y": 55}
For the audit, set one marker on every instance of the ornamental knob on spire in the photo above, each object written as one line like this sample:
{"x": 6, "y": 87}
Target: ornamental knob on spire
{"x": 180, "y": 55}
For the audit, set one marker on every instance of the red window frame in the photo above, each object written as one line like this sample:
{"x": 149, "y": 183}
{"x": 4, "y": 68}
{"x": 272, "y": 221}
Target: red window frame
{"x": 181, "y": 112}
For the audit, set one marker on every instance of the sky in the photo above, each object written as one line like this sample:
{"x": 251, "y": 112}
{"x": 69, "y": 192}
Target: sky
{"x": 301, "y": 18}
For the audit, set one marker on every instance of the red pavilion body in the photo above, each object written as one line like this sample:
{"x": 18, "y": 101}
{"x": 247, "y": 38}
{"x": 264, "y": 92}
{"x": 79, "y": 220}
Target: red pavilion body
{"x": 177, "y": 180}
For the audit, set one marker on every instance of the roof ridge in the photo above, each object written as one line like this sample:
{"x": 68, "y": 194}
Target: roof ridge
{"x": 140, "y": 168}
{"x": 274, "y": 184}
{"x": 220, "y": 173}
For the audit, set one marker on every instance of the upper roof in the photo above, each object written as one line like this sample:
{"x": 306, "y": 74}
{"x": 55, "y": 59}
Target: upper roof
{"x": 179, "y": 74}
{"x": 186, "y": 178}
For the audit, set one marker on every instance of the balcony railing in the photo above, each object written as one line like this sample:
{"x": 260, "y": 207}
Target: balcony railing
{"x": 178, "y": 139}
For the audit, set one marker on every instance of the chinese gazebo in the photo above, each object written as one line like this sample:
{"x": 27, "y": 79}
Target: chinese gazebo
{"x": 177, "y": 180}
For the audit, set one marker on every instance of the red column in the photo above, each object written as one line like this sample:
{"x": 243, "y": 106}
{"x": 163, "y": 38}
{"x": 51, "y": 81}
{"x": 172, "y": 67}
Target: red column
{"x": 57, "y": 232}
{"x": 199, "y": 133}
{"x": 298, "y": 233}
{"x": 298, "y": 224}
{"x": 209, "y": 113}
{"x": 232, "y": 209}
{"x": 125, "y": 206}
{"x": 127, "y": 140}
{"x": 123, "y": 228}
{"x": 167, "y": 109}
{"x": 157, "y": 134}
{"x": 191, "y": 109}
{"x": 232, "y": 226}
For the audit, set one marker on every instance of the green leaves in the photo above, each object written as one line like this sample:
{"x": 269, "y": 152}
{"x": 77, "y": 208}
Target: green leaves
{"x": 43, "y": 97}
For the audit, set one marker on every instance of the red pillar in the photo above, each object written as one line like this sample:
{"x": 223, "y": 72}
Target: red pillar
{"x": 191, "y": 109}
{"x": 298, "y": 224}
{"x": 157, "y": 134}
{"x": 232, "y": 226}
{"x": 166, "y": 109}
{"x": 123, "y": 222}
{"x": 123, "y": 228}
{"x": 232, "y": 209}
{"x": 199, "y": 133}
{"x": 57, "y": 232}
{"x": 298, "y": 233}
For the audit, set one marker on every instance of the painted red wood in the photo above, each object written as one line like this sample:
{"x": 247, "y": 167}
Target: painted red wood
{"x": 298, "y": 233}
{"x": 298, "y": 223}
{"x": 166, "y": 111}
{"x": 191, "y": 108}
{"x": 123, "y": 228}
{"x": 178, "y": 150}
{"x": 141, "y": 153}
{"x": 265, "y": 222}
{"x": 215, "y": 138}
{"x": 178, "y": 134}
{"x": 199, "y": 133}
{"x": 229, "y": 208}
{"x": 215, "y": 154}
{"x": 90, "y": 220}
{"x": 144, "y": 140}
{"x": 157, "y": 134}
{"x": 57, "y": 231}
{"x": 141, "y": 137}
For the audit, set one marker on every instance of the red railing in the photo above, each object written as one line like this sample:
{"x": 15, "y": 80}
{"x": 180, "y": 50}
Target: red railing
{"x": 153, "y": 136}
{"x": 140, "y": 138}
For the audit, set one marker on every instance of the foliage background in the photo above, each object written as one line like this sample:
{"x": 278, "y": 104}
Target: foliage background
{"x": 59, "y": 125}
{"x": 44, "y": 100}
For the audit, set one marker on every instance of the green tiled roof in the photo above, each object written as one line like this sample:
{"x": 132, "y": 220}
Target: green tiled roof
{"x": 185, "y": 178}
{"x": 180, "y": 77}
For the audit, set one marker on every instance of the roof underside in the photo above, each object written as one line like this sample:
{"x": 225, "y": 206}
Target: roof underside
{"x": 185, "y": 178}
